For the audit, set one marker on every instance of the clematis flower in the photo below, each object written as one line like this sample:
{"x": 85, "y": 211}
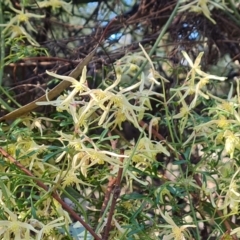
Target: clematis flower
{"x": 232, "y": 141}
{"x": 231, "y": 196}
{"x": 190, "y": 87}
{"x": 20, "y": 230}
{"x": 113, "y": 104}
{"x": 67, "y": 102}
{"x": 185, "y": 112}
{"x": 142, "y": 96}
{"x": 145, "y": 153}
{"x": 55, "y": 4}
{"x": 175, "y": 232}
{"x": 153, "y": 123}
{"x": 153, "y": 73}
{"x": 204, "y": 6}
{"x": 21, "y": 17}
{"x": 120, "y": 105}
{"x": 222, "y": 122}
{"x": 72, "y": 177}
{"x": 78, "y": 86}
{"x": 235, "y": 231}
{"x": 32, "y": 123}
{"x": 46, "y": 229}
{"x": 16, "y": 31}
{"x": 196, "y": 68}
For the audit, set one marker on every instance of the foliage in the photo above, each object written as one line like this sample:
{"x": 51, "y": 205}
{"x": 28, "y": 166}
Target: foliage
{"x": 148, "y": 149}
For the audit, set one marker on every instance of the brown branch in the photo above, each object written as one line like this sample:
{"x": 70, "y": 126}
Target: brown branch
{"x": 110, "y": 187}
{"x": 116, "y": 192}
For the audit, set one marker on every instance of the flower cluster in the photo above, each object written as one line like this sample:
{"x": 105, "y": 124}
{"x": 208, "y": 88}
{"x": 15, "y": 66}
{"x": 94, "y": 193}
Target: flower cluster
{"x": 108, "y": 108}
{"x": 15, "y": 227}
{"x": 14, "y": 27}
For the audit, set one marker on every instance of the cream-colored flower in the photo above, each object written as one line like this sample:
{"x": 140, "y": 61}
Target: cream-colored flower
{"x": 231, "y": 196}
{"x": 12, "y": 226}
{"x": 78, "y": 86}
{"x": 175, "y": 232}
{"x": 233, "y": 232}
{"x": 67, "y": 102}
{"x": 232, "y": 141}
{"x": 113, "y": 104}
{"x": 222, "y": 122}
{"x": 190, "y": 87}
{"x": 153, "y": 123}
{"x": 183, "y": 115}
{"x": 88, "y": 157}
{"x": 21, "y": 17}
{"x": 55, "y": 4}
{"x": 47, "y": 228}
{"x": 145, "y": 152}
{"x": 196, "y": 68}
{"x": 72, "y": 178}
{"x": 32, "y": 122}
{"x": 15, "y": 31}
{"x": 203, "y": 6}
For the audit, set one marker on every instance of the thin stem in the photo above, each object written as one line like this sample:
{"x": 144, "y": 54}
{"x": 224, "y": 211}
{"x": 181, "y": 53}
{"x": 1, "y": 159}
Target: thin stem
{"x": 115, "y": 194}
{"x": 10, "y": 98}
{"x": 193, "y": 213}
{"x": 235, "y": 10}
{"x": 164, "y": 30}
{"x": 2, "y": 50}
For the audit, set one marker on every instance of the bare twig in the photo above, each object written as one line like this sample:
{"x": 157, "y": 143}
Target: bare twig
{"x": 116, "y": 192}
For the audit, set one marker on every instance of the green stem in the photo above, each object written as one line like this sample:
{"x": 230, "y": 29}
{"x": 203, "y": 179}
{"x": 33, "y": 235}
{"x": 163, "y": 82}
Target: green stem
{"x": 2, "y": 50}
{"x": 235, "y": 10}
{"x": 193, "y": 211}
{"x": 9, "y": 98}
{"x": 169, "y": 21}
{"x": 168, "y": 117}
